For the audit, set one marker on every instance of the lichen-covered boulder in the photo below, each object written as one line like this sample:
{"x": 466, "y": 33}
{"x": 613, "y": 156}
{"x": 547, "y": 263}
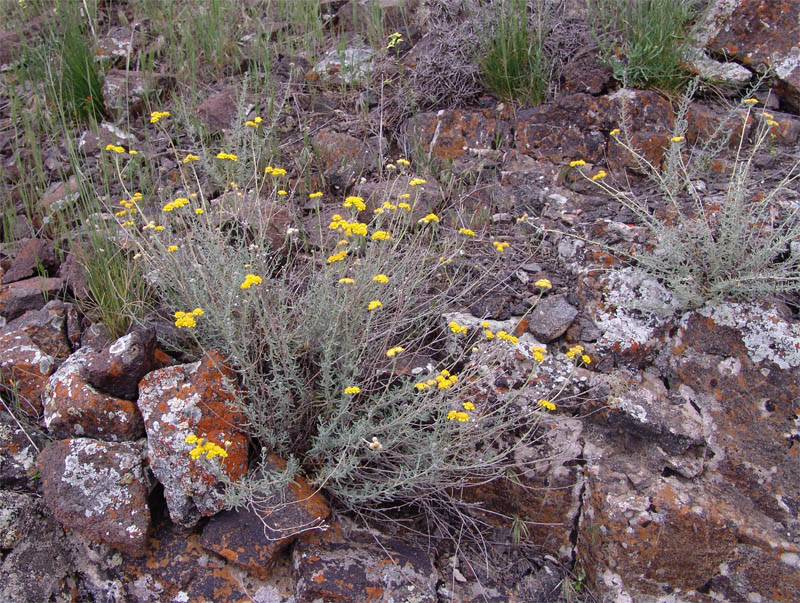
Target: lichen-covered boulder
{"x": 24, "y": 370}
{"x": 98, "y": 489}
{"x": 193, "y": 400}
{"x": 72, "y": 407}
{"x": 361, "y": 569}
{"x": 251, "y": 538}
{"x": 55, "y": 329}
{"x": 18, "y": 452}
{"x": 30, "y": 294}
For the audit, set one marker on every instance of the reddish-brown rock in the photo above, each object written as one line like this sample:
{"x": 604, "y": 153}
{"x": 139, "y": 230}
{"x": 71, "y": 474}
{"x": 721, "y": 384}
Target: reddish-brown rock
{"x": 98, "y": 489}
{"x": 72, "y": 407}
{"x": 252, "y": 538}
{"x": 219, "y": 110}
{"x": 457, "y": 133}
{"x": 24, "y": 369}
{"x": 762, "y": 34}
{"x": 30, "y": 294}
{"x": 33, "y": 257}
{"x": 118, "y": 368}
{"x": 55, "y": 329}
{"x": 192, "y": 399}
{"x": 361, "y": 569}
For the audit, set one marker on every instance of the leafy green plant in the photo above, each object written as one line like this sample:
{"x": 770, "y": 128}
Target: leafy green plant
{"x": 514, "y": 62}
{"x": 742, "y": 245}
{"x": 644, "y": 40}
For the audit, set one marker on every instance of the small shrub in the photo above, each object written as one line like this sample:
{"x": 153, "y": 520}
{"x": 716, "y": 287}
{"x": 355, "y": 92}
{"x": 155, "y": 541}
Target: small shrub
{"x": 644, "y": 40}
{"x": 514, "y": 64}
{"x": 321, "y": 337}
{"x": 741, "y": 246}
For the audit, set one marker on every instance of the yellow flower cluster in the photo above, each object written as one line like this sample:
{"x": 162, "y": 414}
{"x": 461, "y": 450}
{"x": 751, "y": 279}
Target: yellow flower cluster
{"x": 392, "y": 352}
{"x": 191, "y": 157}
{"x": 501, "y": 247}
{"x": 750, "y": 101}
{"x": 171, "y": 248}
{"x": 577, "y": 163}
{"x": 157, "y": 116}
{"x": 487, "y": 331}
{"x": 546, "y": 404}
{"x": 404, "y": 162}
{"x": 599, "y": 175}
{"x": 352, "y": 390}
{"x": 349, "y": 228}
{"x": 417, "y": 182}
{"x": 337, "y": 257}
{"x": 250, "y": 280}
{"x": 176, "y": 204}
{"x": 346, "y": 280}
{"x": 507, "y": 337}
{"x": 115, "y": 147}
{"x": 316, "y": 195}
{"x": 374, "y": 305}
{"x": 466, "y": 232}
{"x": 381, "y": 235}
{"x": 543, "y": 283}
{"x": 677, "y": 139}
{"x": 404, "y": 206}
{"x": 273, "y": 171}
{"x": 458, "y": 415}
{"x": 444, "y": 380}
{"x": 186, "y": 319}
{"x": 381, "y": 278}
{"x": 202, "y": 447}
{"x": 253, "y": 123}
{"x": 356, "y": 202}
{"x": 429, "y": 218}
{"x": 614, "y": 132}
{"x": 228, "y": 156}
{"x": 457, "y": 328}
{"x": 576, "y": 351}
{"x": 538, "y": 353}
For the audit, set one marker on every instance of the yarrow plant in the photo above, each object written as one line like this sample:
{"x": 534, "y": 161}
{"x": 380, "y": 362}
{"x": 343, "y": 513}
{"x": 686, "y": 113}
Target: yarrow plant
{"x": 321, "y": 338}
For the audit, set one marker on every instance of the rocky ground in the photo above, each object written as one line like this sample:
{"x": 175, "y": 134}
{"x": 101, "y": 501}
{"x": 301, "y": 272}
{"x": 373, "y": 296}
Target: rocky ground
{"x": 669, "y": 472}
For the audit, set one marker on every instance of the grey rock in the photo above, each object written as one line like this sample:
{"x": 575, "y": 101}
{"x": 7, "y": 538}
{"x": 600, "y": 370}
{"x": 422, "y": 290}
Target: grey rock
{"x": 551, "y": 317}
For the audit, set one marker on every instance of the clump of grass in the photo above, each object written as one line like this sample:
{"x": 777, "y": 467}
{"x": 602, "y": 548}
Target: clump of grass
{"x": 644, "y": 40}
{"x": 741, "y": 246}
{"x": 79, "y": 87}
{"x": 514, "y": 63}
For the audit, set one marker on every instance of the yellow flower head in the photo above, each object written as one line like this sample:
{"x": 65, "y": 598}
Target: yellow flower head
{"x": 337, "y": 257}
{"x": 543, "y": 283}
{"x": 190, "y": 157}
{"x": 457, "y": 328}
{"x": 380, "y": 278}
{"x": 381, "y": 235}
{"x": 198, "y": 210}
{"x": 403, "y": 162}
{"x": 577, "y": 163}
{"x": 599, "y": 175}
{"x": 417, "y": 182}
{"x": 392, "y": 352}
{"x": 315, "y": 195}
{"x": 374, "y": 305}
{"x": 586, "y": 359}
{"x": 157, "y": 116}
{"x": 750, "y": 101}
{"x": 468, "y": 406}
{"x": 677, "y": 139}
{"x": 228, "y": 156}
{"x": 404, "y": 206}
{"x": 253, "y": 123}
{"x": 352, "y": 390}
{"x": 282, "y": 193}
{"x": 115, "y": 148}
{"x": 172, "y": 248}
{"x": 250, "y": 280}
{"x": 546, "y": 404}
{"x": 500, "y": 247}
{"x": 466, "y": 232}
{"x": 614, "y": 132}
{"x": 356, "y": 202}
{"x": 346, "y": 280}
{"x": 429, "y": 218}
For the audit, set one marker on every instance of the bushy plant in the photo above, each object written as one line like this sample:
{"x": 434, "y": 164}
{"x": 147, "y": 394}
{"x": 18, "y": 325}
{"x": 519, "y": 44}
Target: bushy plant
{"x": 742, "y": 245}
{"x": 644, "y": 40}
{"x": 79, "y": 87}
{"x": 324, "y": 338}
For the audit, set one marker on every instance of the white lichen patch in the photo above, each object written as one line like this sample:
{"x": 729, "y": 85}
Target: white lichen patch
{"x": 764, "y": 333}
{"x": 636, "y": 305}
